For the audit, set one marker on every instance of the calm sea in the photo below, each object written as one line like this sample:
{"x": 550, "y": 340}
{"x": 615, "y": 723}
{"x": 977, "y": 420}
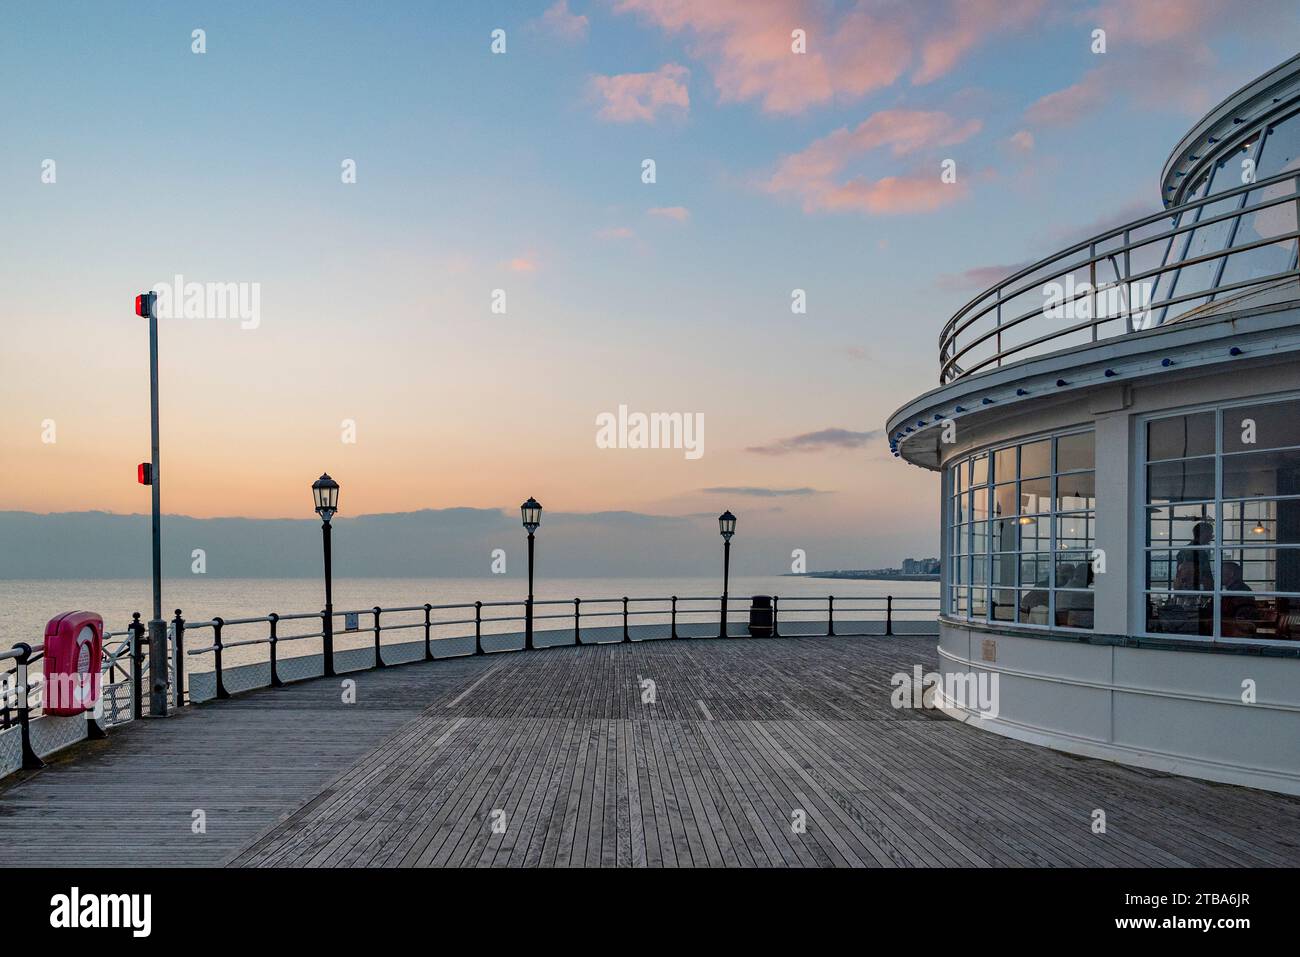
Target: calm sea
{"x": 25, "y": 606}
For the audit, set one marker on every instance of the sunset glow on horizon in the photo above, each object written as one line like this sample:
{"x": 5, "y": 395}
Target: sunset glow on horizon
{"x": 524, "y": 172}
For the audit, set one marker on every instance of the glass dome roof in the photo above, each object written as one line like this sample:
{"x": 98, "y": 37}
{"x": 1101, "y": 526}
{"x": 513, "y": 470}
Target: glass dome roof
{"x": 1253, "y": 136}
{"x": 1229, "y": 231}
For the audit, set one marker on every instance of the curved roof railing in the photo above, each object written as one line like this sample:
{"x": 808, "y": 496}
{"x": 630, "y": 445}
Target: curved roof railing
{"x": 1221, "y": 131}
{"x": 1136, "y": 276}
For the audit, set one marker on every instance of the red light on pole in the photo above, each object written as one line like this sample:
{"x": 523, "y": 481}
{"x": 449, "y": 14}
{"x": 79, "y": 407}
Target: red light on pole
{"x": 144, "y": 304}
{"x": 144, "y": 473}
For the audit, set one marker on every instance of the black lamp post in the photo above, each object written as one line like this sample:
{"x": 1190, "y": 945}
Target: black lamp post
{"x": 727, "y": 526}
{"x": 325, "y": 492}
{"x": 531, "y": 511}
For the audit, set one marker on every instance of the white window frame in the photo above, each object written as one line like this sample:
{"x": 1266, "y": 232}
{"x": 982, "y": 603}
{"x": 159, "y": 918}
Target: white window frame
{"x": 1142, "y": 502}
{"x": 968, "y": 531}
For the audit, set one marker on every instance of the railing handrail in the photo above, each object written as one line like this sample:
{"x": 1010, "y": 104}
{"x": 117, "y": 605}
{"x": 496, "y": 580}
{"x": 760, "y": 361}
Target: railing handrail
{"x": 1172, "y": 212}
{"x": 584, "y": 603}
{"x": 37, "y": 648}
{"x": 125, "y": 657}
{"x": 990, "y": 299}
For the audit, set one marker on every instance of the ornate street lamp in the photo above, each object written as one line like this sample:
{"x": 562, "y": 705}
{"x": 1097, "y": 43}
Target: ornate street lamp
{"x": 727, "y": 528}
{"x": 325, "y": 494}
{"x": 531, "y": 512}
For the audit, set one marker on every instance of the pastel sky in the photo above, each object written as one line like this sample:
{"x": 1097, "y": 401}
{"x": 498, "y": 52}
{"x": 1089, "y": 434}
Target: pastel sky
{"x": 522, "y": 171}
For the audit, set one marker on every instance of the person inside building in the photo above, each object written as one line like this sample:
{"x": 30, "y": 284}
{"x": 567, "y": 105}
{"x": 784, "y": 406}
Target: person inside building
{"x": 1195, "y": 564}
{"x": 1238, "y": 611}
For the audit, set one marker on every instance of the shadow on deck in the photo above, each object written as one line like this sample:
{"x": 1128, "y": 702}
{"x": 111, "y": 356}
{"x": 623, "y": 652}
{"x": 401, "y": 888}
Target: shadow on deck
{"x": 552, "y": 759}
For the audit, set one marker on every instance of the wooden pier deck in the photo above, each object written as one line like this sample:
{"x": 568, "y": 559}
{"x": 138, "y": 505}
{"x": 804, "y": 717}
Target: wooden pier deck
{"x": 551, "y": 758}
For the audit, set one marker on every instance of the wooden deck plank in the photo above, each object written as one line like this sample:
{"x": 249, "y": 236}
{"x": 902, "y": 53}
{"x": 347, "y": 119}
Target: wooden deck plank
{"x": 740, "y": 735}
{"x": 528, "y": 806}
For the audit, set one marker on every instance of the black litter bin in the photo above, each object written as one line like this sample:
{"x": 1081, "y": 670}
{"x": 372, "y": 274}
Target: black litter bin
{"x": 760, "y": 617}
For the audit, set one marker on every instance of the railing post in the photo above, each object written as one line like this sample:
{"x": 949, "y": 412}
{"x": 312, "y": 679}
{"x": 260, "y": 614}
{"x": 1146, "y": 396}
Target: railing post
{"x": 1092, "y": 279}
{"x": 626, "y": 635}
{"x": 1295, "y": 188}
{"x": 673, "y": 625}
{"x": 577, "y": 619}
{"x": 998, "y": 321}
{"x": 776, "y": 633}
{"x": 217, "y": 625}
{"x": 31, "y": 760}
{"x": 428, "y": 626}
{"x": 275, "y": 654}
{"x": 327, "y": 642}
{"x": 1128, "y": 286}
{"x": 158, "y": 658}
{"x": 478, "y": 628}
{"x": 178, "y": 653}
{"x": 379, "y": 658}
{"x": 830, "y": 616}
{"x": 889, "y": 614}
{"x": 94, "y": 730}
{"x": 137, "y": 666}
{"x": 528, "y": 617}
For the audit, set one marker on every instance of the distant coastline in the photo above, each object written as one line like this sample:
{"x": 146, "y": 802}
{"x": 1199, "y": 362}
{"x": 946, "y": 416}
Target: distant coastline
{"x": 866, "y": 575}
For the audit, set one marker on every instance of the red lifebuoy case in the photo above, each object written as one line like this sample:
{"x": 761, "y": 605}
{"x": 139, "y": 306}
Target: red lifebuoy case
{"x": 74, "y": 645}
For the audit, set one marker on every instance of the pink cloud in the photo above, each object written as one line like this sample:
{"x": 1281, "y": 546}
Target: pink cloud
{"x": 1178, "y": 78}
{"x": 679, "y": 213}
{"x": 1075, "y": 101}
{"x": 915, "y": 192}
{"x": 849, "y": 53}
{"x": 1123, "y": 213}
{"x": 633, "y": 97}
{"x": 1022, "y": 141}
{"x": 1157, "y": 21}
{"x": 615, "y": 232}
{"x": 1157, "y": 56}
{"x": 815, "y": 173}
{"x": 966, "y": 25}
{"x": 980, "y": 277}
{"x": 558, "y": 21}
{"x": 524, "y": 263}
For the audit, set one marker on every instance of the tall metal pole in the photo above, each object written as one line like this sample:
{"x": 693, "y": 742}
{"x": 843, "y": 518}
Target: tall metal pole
{"x": 327, "y": 649}
{"x": 157, "y": 627}
{"x": 726, "y": 574}
{"x": 528, "y": 613}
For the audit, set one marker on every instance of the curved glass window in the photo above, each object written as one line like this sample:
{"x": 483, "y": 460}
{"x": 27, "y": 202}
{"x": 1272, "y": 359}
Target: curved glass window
{"x": 1021, "y": 521}
{"x": 1222, "y": 535}
{"x": 1280, "y": 152}
{"x": 1177, "y": 248}
{"x": 1260, "y": 236}
{"x": 1282, "y": 148}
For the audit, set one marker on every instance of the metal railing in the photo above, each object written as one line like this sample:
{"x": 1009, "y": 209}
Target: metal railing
{"x": 21, "y": 695}
{"x": 477, "y": 628}
{"x": 437, "y": 631}
{"x": 1119, "y": 281}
